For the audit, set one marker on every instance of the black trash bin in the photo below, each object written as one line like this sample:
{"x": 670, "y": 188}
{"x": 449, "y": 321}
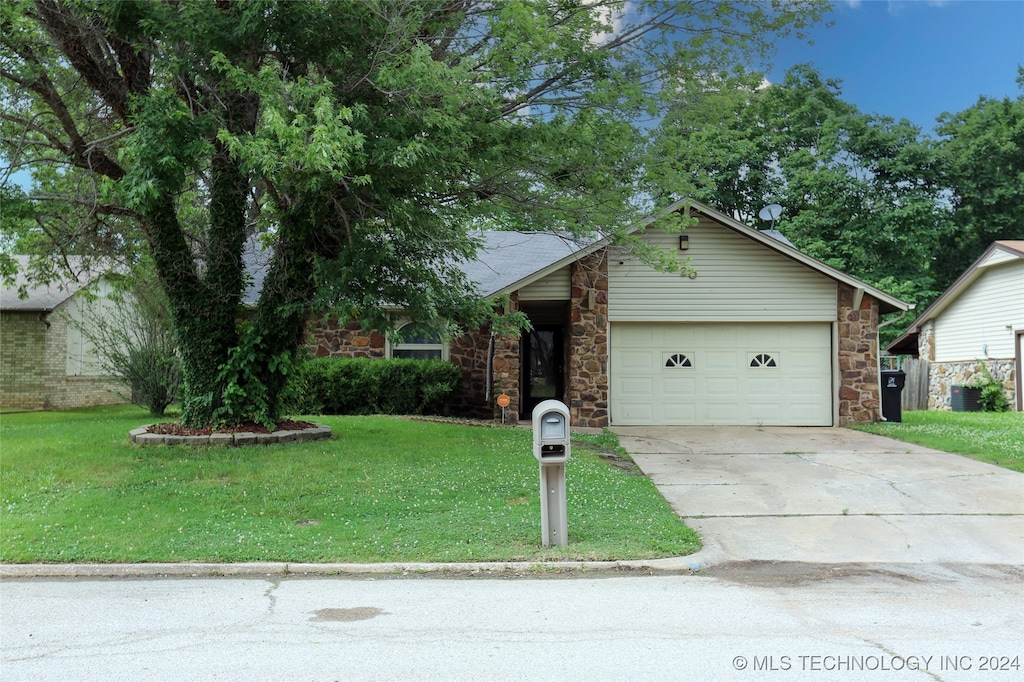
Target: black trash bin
{"x": 892, "y": 389}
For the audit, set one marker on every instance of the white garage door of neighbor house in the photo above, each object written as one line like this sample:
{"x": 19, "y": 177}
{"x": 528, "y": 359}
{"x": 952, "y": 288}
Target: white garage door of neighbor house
{"x": 773, "y": 374}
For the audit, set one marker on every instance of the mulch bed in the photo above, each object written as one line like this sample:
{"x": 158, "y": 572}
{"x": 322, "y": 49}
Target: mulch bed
{"x": 176, "y": 429}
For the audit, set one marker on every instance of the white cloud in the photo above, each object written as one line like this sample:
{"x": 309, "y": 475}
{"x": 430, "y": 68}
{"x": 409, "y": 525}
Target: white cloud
{"x": 611, "y": 13}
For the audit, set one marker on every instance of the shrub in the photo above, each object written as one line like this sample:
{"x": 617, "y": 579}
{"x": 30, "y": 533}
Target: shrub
{"x": 133, "y": 338}
{"x": 992, "y": 397}
{"x": 363, "y": 386}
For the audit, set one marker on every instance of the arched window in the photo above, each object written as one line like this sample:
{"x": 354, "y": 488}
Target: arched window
{"x": 763, "y": 360}
{"x": 419, "y": 342}
{"x": 678, "y": 360}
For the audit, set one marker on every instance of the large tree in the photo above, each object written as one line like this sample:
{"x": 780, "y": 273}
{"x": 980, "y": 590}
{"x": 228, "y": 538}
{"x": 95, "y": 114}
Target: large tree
{"x": 982, "y": 160}
{"x": 364, "y": 139}
{"x": 860, "y": 192}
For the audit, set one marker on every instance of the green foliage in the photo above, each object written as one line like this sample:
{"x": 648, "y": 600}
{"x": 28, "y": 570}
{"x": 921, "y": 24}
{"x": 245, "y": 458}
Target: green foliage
{"x": 365, "y": 151}
{"x": 992, "y": 397}
{"x": 982, "y": 161}
{"x": 364, "y": 386}
{"x": 244, "y": 377}
{"x": 133, "y": 338}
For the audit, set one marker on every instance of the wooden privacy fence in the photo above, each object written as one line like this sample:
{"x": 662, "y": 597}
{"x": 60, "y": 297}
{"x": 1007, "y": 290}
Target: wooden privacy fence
{"x": 915, "y": 391}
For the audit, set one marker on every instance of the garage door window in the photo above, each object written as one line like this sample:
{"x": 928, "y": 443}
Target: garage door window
{"x": 763, "y": 360}
{"x": 678, "y": 360}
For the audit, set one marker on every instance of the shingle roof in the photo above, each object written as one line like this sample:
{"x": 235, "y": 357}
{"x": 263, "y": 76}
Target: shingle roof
{"x": 507, "y": 258}
{"x": 43, "y": 297}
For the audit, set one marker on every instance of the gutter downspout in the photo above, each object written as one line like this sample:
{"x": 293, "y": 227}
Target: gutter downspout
{"x": 878, "y": 345}
{"x": 490, "y": 369}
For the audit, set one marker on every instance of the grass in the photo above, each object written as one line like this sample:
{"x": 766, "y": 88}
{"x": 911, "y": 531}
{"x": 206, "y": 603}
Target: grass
{"x": 993, "y": 437}
{"x": 73, "y": 489}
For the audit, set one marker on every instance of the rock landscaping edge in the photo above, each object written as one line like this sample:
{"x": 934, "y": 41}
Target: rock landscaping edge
{"x": 142, "y": 436}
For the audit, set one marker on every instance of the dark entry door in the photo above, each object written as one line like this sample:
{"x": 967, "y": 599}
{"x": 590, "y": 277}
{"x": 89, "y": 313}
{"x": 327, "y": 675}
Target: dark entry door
{"x": 543, "y": 366}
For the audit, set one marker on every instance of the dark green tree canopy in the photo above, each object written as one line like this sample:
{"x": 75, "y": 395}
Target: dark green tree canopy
{"x": 982, "y": 162}
{"x": 860, "y": 192}
{"x": 364, "y": 139}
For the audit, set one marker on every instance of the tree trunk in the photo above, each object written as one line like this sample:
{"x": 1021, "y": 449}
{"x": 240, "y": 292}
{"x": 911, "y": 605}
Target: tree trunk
{"x": 205, "y": 307}
{"x": 283, "y": 312}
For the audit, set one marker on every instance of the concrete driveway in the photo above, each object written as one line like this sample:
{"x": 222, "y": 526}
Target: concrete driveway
{"x": 831, "y": 495}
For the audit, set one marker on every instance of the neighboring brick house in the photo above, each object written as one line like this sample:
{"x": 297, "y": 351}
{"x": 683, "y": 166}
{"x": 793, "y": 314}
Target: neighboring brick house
{"x": 979, "y": 318}
{"x": 45, "y": 364}
{"x": 757, "y": 334}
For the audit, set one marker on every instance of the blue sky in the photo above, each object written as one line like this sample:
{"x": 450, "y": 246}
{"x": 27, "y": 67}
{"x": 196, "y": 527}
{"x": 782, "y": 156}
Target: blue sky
{"x": 915, "y": 59}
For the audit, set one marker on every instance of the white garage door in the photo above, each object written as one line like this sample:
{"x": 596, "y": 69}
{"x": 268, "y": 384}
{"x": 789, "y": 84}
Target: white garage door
{"x": 709, "y": 374}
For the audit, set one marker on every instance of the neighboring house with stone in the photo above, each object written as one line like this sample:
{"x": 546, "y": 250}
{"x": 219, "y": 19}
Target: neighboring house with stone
{"x": 979, "y": 318}
{"x": 758, "y": 334}
{"x": 45, "y": 363}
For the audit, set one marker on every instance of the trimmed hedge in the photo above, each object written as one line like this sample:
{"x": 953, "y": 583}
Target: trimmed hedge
{"x": 364, "y": 386}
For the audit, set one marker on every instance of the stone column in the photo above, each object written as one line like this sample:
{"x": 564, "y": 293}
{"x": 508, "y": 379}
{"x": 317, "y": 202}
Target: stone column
{"x": 588, "y": 342}
{"x": 858, "y": 359}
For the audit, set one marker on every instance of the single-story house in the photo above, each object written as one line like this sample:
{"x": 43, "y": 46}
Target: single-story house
{"x": 45, "y": 363}
{"x": 979, "y": 318}
{"x": 757, "y": 333}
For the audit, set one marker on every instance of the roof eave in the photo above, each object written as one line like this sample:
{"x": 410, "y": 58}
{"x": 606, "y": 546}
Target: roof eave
{"x": 954, "y": 290}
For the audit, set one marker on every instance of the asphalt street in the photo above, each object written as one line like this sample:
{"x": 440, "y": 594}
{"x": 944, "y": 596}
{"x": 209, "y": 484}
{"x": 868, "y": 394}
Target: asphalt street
{"x": 735, "y": 622}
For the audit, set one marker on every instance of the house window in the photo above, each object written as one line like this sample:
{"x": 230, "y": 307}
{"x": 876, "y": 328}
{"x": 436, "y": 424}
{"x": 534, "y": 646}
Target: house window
{"x": 678, "y": 360}
{"x": 419, "y": 342}
{"x": 760, "y": 360}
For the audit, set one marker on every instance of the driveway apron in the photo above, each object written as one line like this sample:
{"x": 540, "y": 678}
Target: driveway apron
{"x": 831, "y": 495}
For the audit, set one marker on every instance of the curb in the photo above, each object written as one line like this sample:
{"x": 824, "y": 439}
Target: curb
{"x": 692, "y": 563}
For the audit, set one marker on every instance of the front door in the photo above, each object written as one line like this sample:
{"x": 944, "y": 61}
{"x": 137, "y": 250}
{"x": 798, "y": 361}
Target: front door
{"x": 543, "y": 366}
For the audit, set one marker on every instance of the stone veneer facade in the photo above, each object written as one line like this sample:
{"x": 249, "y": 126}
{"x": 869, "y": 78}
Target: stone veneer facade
{"x": 469, "y": 352}
{"x": 329, "y": 339}
{"x": 943, "y": 376}
{"x": 858, "y": 359}
{"x": 586, "y": 381}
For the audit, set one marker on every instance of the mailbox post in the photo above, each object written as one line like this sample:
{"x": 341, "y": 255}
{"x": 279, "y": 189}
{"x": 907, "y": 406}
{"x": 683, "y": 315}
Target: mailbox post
{"x": 551, "y": 448}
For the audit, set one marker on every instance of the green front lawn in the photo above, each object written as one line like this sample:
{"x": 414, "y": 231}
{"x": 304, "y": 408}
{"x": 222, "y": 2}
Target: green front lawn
{"x": 993, "y": 437}
{"x": 73, "y": 489}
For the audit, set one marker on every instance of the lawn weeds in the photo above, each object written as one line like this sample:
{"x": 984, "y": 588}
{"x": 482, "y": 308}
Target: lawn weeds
{"x": 73, "y": 489}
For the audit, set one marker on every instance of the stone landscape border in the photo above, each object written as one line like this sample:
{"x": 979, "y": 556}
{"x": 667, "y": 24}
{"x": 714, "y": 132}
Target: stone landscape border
{"x": 142, "y": 436}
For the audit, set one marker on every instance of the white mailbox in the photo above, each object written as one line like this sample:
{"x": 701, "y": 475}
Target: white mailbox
{"x": 551, "y": 448}
{"x": 551, "y": 432}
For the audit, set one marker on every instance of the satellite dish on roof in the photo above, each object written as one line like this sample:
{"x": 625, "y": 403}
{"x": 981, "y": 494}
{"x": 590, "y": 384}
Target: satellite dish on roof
{"x": 771, "y": 212}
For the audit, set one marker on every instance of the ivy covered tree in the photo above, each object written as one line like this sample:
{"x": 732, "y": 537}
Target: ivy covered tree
{"x": 363, "y": 140}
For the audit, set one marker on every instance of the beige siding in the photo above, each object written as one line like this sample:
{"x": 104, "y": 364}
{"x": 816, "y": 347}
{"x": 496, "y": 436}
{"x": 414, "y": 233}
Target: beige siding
{"x": 82, "y": 310}
{"x": 983, "y": 319}
{"x": 737, "y": 280}
{"x": 996, "y": 257}
{"x": 553, "y": 287}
